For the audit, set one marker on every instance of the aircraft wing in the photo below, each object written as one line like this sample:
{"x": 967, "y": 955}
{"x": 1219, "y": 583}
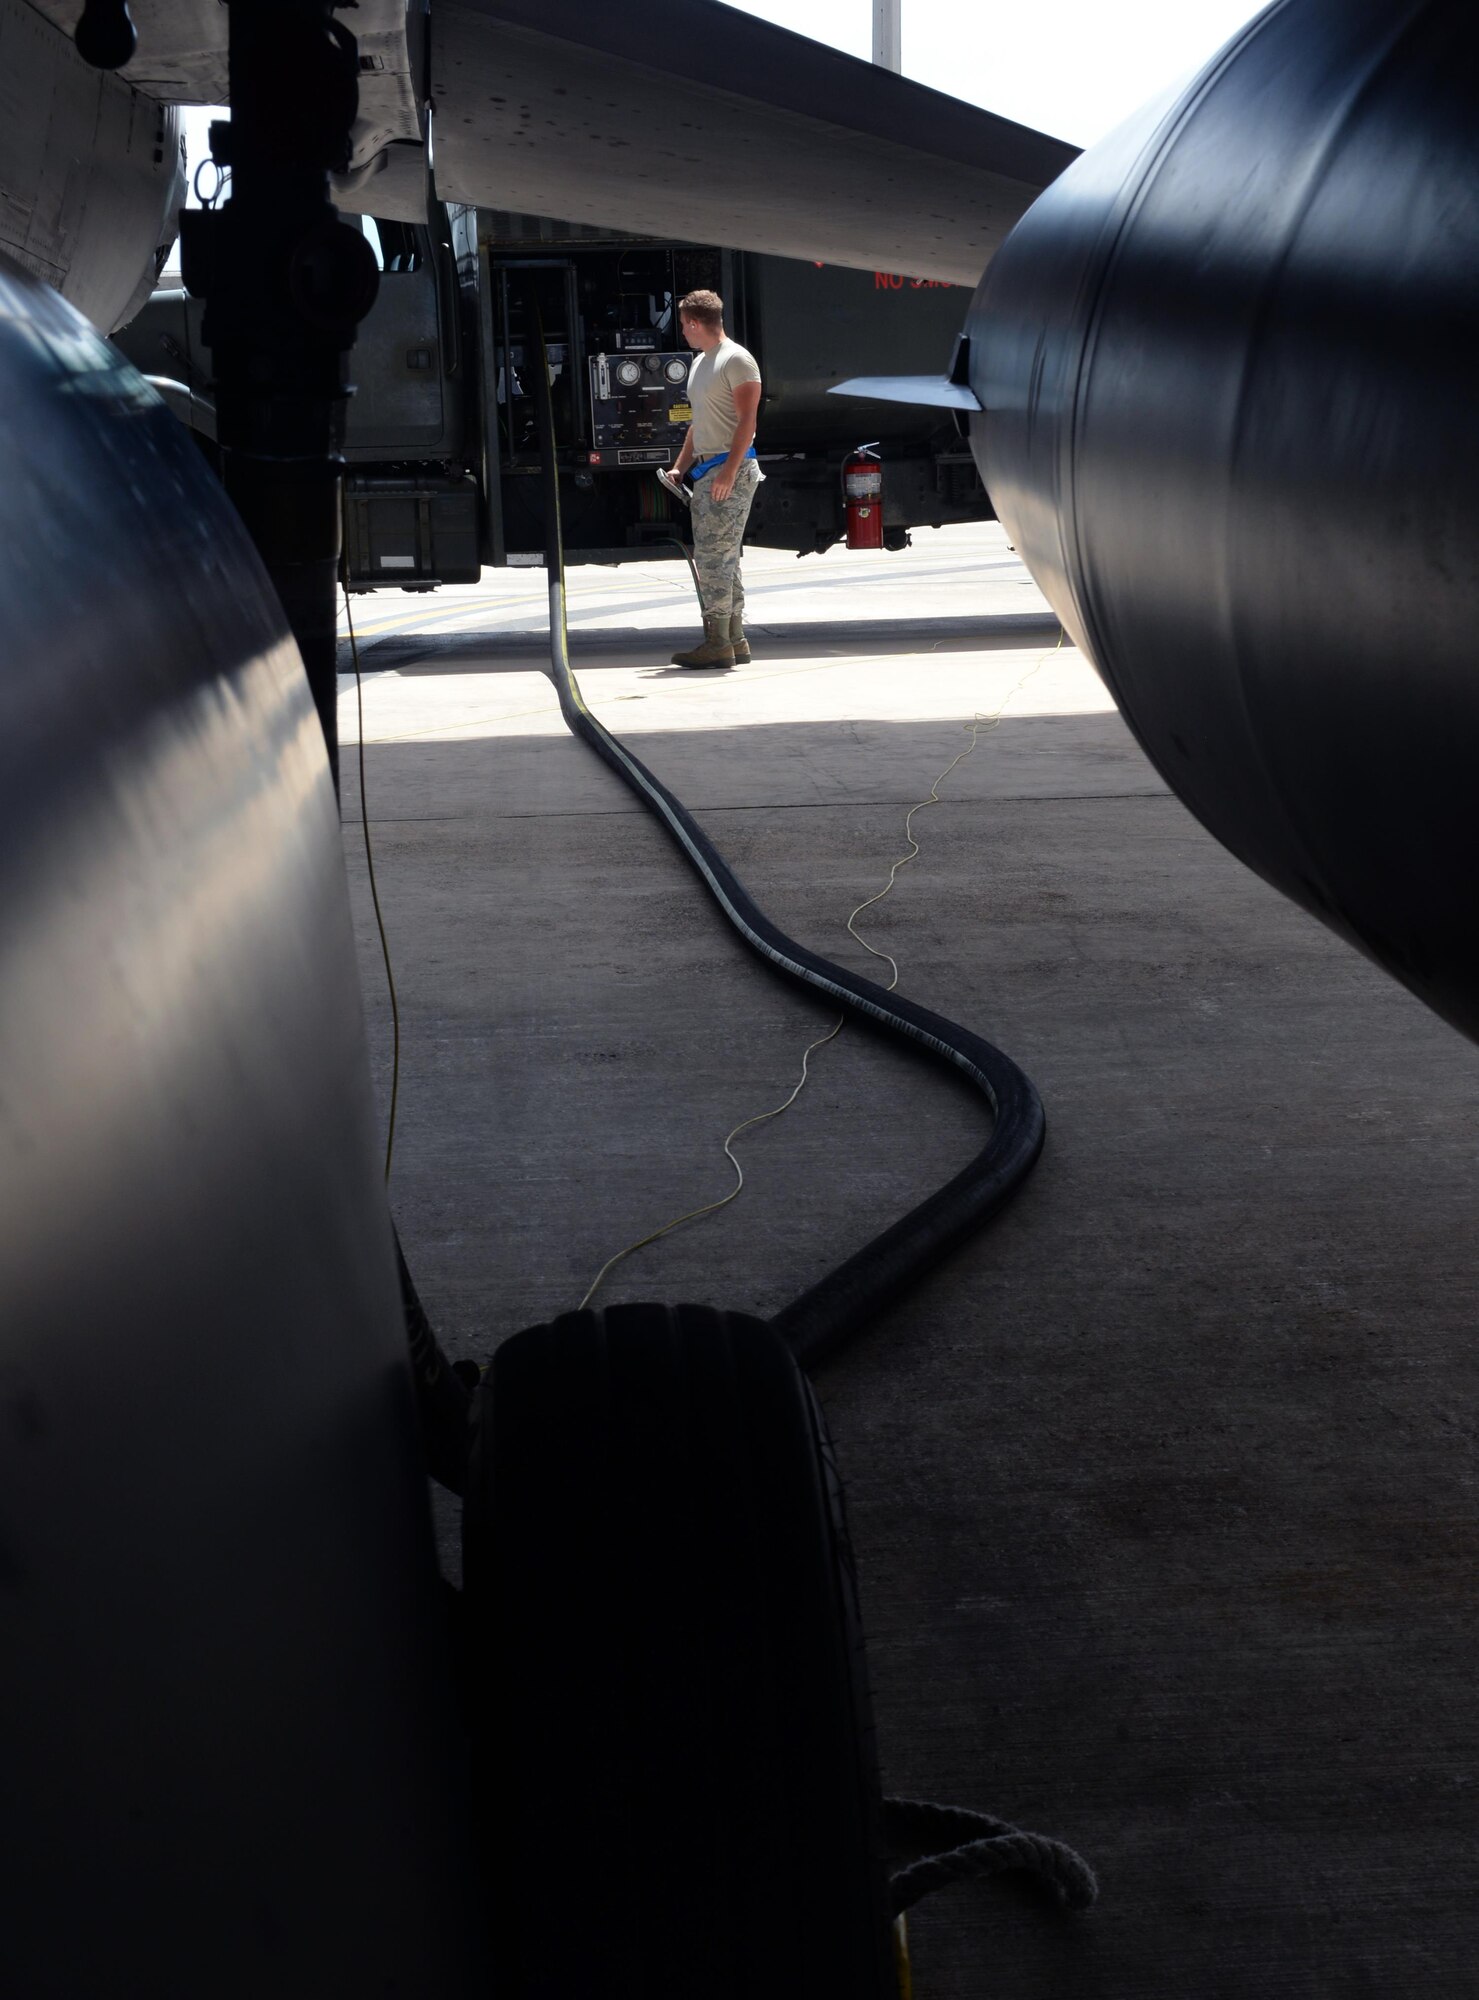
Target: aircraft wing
{"x": 690, "y": 119}
{"x": 681, "y": 118}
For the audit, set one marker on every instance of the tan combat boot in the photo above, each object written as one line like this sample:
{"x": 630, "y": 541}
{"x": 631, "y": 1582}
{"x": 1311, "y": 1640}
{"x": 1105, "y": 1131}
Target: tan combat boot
{"x": 737, "y": 639}
{"x": 715, "y": 651}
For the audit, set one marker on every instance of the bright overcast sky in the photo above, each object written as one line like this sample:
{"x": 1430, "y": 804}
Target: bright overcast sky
{"x": 1074, "y": 68}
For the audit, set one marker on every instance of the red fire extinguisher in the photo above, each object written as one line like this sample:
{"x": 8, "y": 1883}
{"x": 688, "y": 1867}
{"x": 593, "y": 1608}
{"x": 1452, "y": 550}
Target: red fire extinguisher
{"x": 862, "y": 491}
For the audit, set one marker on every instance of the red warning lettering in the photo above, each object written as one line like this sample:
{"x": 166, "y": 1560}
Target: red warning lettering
{"x": 893, "y": 281}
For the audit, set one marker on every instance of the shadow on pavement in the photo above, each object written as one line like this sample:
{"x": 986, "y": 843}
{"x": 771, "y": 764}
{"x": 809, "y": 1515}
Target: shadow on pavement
{"x": 435, "y": 652}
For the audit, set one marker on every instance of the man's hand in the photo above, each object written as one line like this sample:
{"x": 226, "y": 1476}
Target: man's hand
{"x": 722, "y": 481}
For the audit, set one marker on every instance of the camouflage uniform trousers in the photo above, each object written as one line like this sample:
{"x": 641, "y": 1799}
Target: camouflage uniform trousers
{"x": 718, "y": 539}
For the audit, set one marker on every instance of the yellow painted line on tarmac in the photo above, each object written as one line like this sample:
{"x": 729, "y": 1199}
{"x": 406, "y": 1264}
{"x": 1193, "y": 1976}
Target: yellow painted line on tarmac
{"x": 480, "y": 606}
{"x": 403, "y": 621}
{"x": 636, "y": 584}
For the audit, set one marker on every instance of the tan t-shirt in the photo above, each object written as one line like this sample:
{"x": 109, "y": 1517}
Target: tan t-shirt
{"x": 712, "y": 381}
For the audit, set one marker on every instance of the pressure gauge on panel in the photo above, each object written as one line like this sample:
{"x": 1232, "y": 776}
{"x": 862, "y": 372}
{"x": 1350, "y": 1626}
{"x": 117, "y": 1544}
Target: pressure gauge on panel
{"x": 628, "y": 372}
{"x": 677, "y": 369}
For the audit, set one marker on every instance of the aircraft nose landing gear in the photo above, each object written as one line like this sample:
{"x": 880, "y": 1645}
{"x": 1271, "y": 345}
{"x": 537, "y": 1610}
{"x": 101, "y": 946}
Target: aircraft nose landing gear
{"x": 675, "y": 1780}
{"x": 675, "y": 1765}
{"x": 286, "y": 284}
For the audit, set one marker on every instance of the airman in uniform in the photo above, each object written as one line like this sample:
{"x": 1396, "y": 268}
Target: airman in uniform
{"x": 719, "y": 454}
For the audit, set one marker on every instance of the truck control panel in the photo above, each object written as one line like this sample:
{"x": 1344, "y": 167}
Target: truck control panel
{"x": 639, "y": 407}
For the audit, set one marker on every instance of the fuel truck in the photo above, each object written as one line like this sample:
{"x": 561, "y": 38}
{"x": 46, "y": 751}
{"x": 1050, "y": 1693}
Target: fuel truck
{"x": 442, "y": 446}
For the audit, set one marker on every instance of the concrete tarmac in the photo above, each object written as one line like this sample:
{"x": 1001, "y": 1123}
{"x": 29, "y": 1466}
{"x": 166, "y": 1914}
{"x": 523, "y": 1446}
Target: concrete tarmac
{"x": 1163, "y": 1491}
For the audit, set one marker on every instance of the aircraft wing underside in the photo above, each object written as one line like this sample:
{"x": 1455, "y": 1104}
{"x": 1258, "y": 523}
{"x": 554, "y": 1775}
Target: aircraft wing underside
{"x": 690, "y": 119}
{"x": 683, "y": 118}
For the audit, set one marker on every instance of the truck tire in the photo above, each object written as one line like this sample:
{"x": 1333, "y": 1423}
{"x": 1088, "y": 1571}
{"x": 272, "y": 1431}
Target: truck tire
{"x": 673, "y": 1750}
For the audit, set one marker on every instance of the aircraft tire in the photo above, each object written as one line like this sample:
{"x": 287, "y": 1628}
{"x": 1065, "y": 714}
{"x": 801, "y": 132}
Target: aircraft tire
{"x": 674, "y": 1755}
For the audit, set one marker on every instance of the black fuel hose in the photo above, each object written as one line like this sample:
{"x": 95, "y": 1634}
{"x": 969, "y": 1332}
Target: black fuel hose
{"x": 839, "y": 1304}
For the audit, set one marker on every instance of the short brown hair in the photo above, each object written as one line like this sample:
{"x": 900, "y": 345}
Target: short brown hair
{"x": 706, "y": 307}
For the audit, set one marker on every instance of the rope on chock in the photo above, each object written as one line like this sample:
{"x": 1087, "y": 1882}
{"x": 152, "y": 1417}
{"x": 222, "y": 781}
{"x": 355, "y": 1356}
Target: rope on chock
{"x": 981, "y": 1847}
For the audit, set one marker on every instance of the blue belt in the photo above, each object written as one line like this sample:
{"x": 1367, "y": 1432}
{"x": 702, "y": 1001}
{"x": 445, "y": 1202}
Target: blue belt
{"x": 707, "y": 464}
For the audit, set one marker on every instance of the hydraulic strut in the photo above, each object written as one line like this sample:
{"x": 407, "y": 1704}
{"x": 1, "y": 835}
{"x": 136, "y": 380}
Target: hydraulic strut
{"x": 286, "y": 283}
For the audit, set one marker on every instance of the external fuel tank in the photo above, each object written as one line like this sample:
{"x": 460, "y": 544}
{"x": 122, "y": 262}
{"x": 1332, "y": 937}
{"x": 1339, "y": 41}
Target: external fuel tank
{"x": 1226, "y": 369}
